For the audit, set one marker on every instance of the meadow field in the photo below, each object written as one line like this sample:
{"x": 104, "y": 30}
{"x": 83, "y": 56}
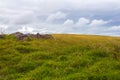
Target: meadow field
{"x": 66, "y": 57}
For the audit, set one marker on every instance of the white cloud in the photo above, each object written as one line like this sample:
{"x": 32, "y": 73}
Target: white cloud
{"x": 48, "y": 6}
{"x": 85, "y": 16}
{"x": 26, "y": 17}
{"x": 82, "y": 22}
{"x": 114, "y": 28}
{"x": 56, "y": 16}
{"x": 26, "y": 29}
{"x": 3, "y": 26}
{"x": 98, "y": 22}
{"x": 68, "y": 22}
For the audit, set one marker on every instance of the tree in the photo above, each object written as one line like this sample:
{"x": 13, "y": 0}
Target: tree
{"x": 2, "y": 30}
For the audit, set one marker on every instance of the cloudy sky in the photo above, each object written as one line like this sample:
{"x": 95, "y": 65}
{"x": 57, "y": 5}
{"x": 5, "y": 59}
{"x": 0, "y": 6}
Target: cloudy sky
{"x": 101, "y": 17}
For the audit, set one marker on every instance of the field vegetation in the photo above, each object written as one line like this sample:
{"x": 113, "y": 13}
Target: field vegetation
{"x": 65, "y": 57}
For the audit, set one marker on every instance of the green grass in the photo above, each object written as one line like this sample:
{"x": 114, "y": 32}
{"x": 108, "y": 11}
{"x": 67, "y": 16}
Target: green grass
{"x": 67, "y": 57}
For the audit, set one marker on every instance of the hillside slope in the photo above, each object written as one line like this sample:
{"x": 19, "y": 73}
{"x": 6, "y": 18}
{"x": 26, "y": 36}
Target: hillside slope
{"x": 66, "y": 57}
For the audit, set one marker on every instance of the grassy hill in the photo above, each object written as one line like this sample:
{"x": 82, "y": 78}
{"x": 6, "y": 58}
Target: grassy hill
{"x": 67, "y": 57}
